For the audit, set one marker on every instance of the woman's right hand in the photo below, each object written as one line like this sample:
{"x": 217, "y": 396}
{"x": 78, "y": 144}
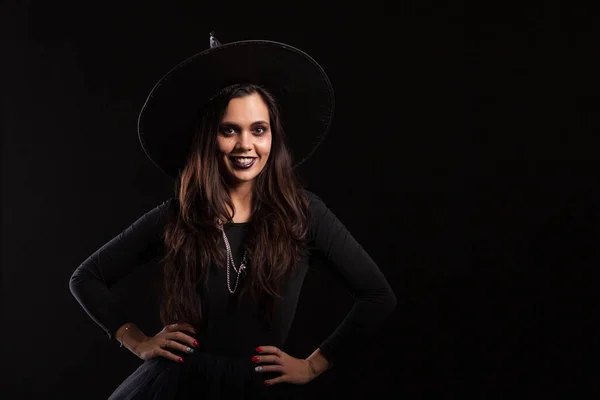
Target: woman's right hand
{"x": 165, "y": 340}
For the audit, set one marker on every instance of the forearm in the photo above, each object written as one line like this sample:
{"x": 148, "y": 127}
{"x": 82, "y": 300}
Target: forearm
{"x": 318, "y": 363}
{"x": 130, "y": 337}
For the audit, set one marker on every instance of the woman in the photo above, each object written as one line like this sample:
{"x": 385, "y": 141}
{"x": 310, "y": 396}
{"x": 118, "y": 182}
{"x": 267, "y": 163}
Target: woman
{"x": 237, "y": 239}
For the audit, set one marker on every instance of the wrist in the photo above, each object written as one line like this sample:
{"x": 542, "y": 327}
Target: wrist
{"x": 317, "y": 363}
{"x": 120, "y": 333}
{"x": 130, "y": 336}
{"x": 312, "y": 370}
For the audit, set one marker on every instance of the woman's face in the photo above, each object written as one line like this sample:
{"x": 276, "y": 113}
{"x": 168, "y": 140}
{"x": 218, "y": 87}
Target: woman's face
{"x": 244, "y": 138}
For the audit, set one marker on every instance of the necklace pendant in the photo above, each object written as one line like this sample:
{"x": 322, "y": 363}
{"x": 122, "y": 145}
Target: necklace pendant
{"x": 230, "y": 262}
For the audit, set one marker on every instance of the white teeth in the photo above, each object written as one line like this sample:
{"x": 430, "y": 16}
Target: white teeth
{"x": 243, "y": 160}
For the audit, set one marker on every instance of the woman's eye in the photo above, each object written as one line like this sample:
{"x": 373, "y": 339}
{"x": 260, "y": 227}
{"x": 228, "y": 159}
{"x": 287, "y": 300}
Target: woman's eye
{"x": 261, "y": 129}
{"x": 228, "y": 131}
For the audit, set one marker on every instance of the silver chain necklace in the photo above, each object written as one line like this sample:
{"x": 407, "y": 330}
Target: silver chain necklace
{"x": 231, "y": 262}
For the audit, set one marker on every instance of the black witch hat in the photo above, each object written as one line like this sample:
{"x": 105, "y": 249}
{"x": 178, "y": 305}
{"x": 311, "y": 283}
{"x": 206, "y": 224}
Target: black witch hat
{"x": 299, "y": 84}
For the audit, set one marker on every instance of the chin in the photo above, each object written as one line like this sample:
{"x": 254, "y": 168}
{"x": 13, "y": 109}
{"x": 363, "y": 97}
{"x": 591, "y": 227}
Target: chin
{"x": 241, "y": 178}
{"x": 244, "y": 176}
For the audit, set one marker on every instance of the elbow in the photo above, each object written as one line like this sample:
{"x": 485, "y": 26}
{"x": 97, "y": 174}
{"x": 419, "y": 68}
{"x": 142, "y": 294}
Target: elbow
{"x": 382, "y": 299}
{"x": 74, "y": 281}
{"x": 392, "y": 301}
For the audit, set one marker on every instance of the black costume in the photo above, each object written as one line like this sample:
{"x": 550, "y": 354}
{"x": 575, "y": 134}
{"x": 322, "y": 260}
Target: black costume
{"x": 221, "y": 335}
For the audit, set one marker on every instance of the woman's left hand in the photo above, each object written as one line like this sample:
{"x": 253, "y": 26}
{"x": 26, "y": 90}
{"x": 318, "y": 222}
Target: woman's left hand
{"x": 293, "y": 370}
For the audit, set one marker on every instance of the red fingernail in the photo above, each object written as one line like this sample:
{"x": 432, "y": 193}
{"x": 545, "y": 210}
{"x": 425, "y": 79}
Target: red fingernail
{"x": 180, "y": 360}
{"x": 196, "y": 343}
{"x": 259, "y": 349}
{"x": 266, "y": 382}
{"x": 255, "y": 358}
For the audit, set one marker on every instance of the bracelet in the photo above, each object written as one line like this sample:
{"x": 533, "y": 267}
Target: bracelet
{"x": 123, "y": 334}
{"x": 312, "y": 368}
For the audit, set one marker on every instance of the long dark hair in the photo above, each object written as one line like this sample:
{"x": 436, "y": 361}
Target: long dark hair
{"x": 275, "y": 241}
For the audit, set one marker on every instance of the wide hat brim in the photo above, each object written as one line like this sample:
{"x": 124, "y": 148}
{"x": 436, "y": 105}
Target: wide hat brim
{"x": 299, "y": 84}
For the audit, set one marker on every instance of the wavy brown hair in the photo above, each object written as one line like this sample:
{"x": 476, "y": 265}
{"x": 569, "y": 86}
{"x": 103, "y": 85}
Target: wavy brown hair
{"x": 275, "y": 241}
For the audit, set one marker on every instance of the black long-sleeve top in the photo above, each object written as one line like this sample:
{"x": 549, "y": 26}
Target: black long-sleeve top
{"x": 231, "y": 329}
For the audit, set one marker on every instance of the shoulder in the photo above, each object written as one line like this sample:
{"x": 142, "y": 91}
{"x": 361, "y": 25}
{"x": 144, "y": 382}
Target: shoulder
{"x": 170, "y": 206}
{"x": 164, "y": 209}
{"x": 314, "y": 201}
{"x": 323, "y": 224}
{"x": 317, "y": 208}
{"x": 172, "y": 203}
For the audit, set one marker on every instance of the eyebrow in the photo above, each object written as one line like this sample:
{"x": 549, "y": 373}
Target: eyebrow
{"x": 253, "y": 124}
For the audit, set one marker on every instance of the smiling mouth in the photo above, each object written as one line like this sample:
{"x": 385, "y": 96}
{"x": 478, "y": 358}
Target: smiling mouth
{"x": 243, "y": 162}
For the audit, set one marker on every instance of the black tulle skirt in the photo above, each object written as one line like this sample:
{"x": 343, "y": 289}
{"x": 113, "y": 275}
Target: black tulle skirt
{"x": 202, "y": 376}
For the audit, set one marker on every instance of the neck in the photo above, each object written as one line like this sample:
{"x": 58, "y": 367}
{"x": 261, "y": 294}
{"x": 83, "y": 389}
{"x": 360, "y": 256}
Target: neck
{"x": 241, "y": 197}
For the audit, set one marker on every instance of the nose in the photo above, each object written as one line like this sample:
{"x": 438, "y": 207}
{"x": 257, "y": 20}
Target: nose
{"x": 245, "y": 141}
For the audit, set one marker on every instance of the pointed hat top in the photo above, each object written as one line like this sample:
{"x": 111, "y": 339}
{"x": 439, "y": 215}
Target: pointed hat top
{"x": 214, "y": 42}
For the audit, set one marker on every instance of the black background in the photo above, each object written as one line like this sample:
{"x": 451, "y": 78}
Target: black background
{"x": 463, "y": 157}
